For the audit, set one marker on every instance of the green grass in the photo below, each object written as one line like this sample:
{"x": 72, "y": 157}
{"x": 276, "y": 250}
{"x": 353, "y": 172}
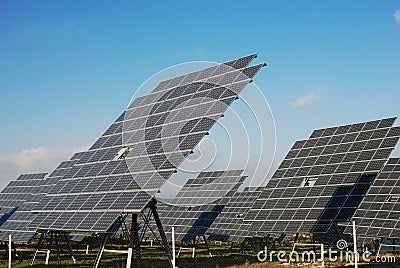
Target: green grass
{"x": 150, "y": 257}
{"x": 223, "y": 256}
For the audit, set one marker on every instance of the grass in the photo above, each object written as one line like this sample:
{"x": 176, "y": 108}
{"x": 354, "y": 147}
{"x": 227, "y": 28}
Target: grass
{"x": 149, "y": 258}
{"x": 223, "y": 256}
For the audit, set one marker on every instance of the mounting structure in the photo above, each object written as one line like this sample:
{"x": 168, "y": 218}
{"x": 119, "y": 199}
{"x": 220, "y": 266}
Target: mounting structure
{"x": 134, "y": 238}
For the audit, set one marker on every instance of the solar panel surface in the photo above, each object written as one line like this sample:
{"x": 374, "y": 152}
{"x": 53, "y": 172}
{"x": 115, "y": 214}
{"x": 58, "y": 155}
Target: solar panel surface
{"x": 189, "y": 218}
{"x": 379, "y": 214}
{"x": 314, "y": 169}
{"x": 16, "y": 192}
{"x": 128, "y": 164}
{"x": 15, "y": 196}
{"x": 17, "y": 223}
{"x": 230, "y": 225}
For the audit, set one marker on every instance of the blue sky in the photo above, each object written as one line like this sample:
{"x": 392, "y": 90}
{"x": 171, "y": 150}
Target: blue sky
{"x": 68, "y": 68}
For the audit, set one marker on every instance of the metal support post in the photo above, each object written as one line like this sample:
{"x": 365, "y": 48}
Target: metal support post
{"x": 164, "y": 240}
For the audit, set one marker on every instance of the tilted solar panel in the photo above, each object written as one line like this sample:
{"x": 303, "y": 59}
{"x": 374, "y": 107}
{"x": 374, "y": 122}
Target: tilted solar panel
{"x": 17, "y": 190}
{"x": 17, "y": 223}
{"x": 15, "y": 196}
{"x": 379, "y": 214}
{"x": 128, "y": 164}
{"x": 230, "y": 225}
{"x": 344, "y": 158}
{"x": 188, "y": 217}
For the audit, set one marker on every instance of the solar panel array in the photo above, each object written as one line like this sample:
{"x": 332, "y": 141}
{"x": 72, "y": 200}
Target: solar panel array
{"x": 303, "y": 185}
{"x": 15, "y": 196}
{"x": 331, "y": 178}
{"x": 128, "y": 164}
{"x": 379, "y": 213}
{"x": 17, "y": 223}
{"x": 188, "y": 218}
{"x": 230, "y": 224}
{"x": 16, "y": 192}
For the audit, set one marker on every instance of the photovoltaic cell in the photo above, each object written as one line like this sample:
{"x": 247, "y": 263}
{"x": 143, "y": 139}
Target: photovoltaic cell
{"x": 129, "y": 163}
{"x": 315, "y": 170}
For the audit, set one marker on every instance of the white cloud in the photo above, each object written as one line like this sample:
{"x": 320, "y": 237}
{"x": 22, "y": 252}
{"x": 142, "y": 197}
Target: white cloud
{"x": 33, "y": 160}
{"x": 309, "y": 99}
{"x": 396, "y": 16}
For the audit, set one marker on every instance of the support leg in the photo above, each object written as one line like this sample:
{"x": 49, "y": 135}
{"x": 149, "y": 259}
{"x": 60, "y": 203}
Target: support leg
{"x": 134, "y": 239}
{"x": 57, "y": 247}
{"x": 161, "y": 230}
{"x": 179, "y": 251}
{"x": 49, "y": 248}
{"x": 124, "y": 228}
{"x": 4, "y": 246}
{"x": 380, "y": 246}
{"x": 145, "y": 226}
{"x": 97, "y": 262}
{"x": 71, "y": 252}
{"x": 206, "y": 242}
{"x": 338, "y": 233}
{"x": 9, "y": 251}
{"x": 37, "y": 247}
{"x": 147, "y": 223}
{"x": 15, "y": 254}
{"x": 294, "y": 245}
{"x": 394, "y": 247}
{"x": 194, "y": 247}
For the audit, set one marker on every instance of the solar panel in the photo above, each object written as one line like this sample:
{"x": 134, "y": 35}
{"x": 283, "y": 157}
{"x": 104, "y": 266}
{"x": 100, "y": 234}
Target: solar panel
{"x": 16, "y": 192}
{"x": 189, "y": 218}
{"x": 379, "y": 214}
{"x": 129, "y": 163}
{"x": 17, "y": 223}
{"x": 205, "y": 73}
{"x": 230, "y": 225}
{"x": 342, "y": 206}
{"x": 310, "y": 177}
